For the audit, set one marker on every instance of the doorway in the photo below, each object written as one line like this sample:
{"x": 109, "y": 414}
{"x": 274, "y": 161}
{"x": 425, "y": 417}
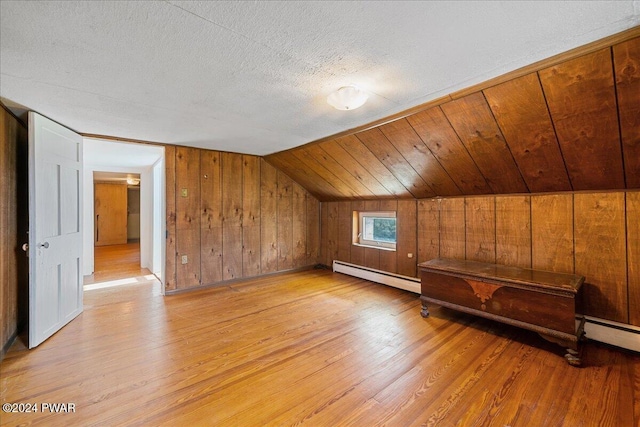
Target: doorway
{"x": 124, "y": 206}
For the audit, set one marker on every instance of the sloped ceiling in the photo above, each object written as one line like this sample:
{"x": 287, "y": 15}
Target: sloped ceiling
{"x": 253, "y": 76}
{"x": 571, "y": 125}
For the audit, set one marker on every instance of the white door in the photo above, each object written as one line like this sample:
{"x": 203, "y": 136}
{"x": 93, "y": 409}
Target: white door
{"x": 55, "y": 227}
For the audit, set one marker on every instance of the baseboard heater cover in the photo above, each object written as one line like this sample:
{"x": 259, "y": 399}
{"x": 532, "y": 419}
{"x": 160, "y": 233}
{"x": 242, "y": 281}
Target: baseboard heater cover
{"x": 411, "y": 284}
{"x": 606, "y": 331}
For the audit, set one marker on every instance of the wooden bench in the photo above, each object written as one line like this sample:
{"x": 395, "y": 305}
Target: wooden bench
{"x": 541, "y": 301}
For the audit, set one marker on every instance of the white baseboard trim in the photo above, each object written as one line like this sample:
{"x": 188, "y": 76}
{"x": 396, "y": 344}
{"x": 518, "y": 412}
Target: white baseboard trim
{"x": 606, "y": 331}
{"x": 407, "y": 283}
{"x": 614, "y": 333}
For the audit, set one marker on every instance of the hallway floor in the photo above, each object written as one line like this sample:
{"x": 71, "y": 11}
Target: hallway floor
{"x": 116, "y": 262}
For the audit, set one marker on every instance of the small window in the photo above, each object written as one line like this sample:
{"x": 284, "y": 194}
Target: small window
{"x": 375, "y": 229}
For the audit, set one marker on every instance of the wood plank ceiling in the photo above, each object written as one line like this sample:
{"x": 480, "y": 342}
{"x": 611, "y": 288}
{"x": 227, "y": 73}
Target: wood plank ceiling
{"x": 573, "y": 125}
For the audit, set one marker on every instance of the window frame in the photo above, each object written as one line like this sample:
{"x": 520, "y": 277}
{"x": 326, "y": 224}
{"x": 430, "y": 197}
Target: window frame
{"x": 358, "y": 230}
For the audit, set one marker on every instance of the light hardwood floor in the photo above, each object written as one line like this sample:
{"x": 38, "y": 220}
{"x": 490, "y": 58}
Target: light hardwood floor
{"x": 116, "y": 262}
{"x": 313, "y": 348}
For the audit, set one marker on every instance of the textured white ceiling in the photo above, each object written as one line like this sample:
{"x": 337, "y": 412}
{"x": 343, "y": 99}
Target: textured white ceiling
{"x": 253, "y": 77}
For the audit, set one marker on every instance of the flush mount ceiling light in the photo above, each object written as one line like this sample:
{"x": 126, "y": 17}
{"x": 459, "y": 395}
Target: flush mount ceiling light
{"x": 133, "y": 181}
{"x": 347, "y": 98}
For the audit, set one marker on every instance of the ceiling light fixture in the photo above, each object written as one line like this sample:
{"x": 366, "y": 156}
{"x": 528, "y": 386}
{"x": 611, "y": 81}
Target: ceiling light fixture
{"x": 347, "y": 98}
{"x": 133, "y": 181}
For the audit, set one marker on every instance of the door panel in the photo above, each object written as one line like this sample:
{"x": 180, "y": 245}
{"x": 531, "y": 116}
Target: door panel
{"x": 110, "y": 214}
{"x": 55, "y": 234}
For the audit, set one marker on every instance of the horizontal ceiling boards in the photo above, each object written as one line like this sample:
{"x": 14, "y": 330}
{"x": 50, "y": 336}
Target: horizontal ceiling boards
{"x": 521, "y": 111}
{"x": 626, "y": 57}
{"x": 581, "y": 97}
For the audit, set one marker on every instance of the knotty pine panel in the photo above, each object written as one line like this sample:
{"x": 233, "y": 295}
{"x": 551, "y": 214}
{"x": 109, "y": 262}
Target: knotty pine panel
{"x": 428, "y": 229}
{"x": 299, "y": 226}
{"x": 324, "y": 233}
{"x": 388, "y": 259}
{"x": 633, "y": 255}
{"x": 211, "y": 217}
{"x": 370, "y": 162}
{"x": 626, "y": 57}
{"x": 232, "y": 204}
{"x": 318, "y": 153}
{"x": 480, "y": 229}
{"x": 250, "y": 251}
{"x": 521, "y": 111}
{"x": 313, "y": 230}
{"x": 371, "y": 255}
{"x": 600, "y": 253}
{"x": 391, "y": 158}
{"x": 408, "y": 143}
{"x": 332, "y": 232}
{"x": 581, "y": 97}
{"x": 170, "y": 194}
{"x": 436, "y": 132}
{"x": 357, "y": 252}
{"x": 345, "y": 218}
{"x": 351, "y": 164}
{"x": 188, "y": 217}
{"x": 406, "y": 240}
{"x": 308, "y": 161}
{"x": 251, "y": 216}
{"x": 231, "y": 252}
{"x": 310, "y": 180}
{"x": 268, "y": 218}
{"x": 285, "y": 222}
{"x": 513, "y": 231}
{"x": 452, "y": 228}
{"x": 473, "y": 121}
{"x": 552, "y": 233}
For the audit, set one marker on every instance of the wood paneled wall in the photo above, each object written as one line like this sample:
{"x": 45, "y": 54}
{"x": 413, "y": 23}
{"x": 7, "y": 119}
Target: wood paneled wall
{"x": 594, "y": 234}
{"x": 13, "y": 207}
{"x": 231, "y": 216}
{"x": 337, "y": 235}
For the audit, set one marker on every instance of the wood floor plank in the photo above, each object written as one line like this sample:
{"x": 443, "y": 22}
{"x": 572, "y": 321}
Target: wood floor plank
{"x": 314, "y": 348}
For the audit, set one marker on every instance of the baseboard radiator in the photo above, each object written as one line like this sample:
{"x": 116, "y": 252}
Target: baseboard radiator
{"x": 606, "y": 331}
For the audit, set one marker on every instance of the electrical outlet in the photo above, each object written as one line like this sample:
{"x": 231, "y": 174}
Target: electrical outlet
{"x": 409, "y": 255}
{"x": 184, "y": 192}
{"x": 185, "y": 259}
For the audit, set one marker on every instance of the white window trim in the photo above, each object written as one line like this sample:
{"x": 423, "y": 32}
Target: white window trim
{"x": 358, "y": 240}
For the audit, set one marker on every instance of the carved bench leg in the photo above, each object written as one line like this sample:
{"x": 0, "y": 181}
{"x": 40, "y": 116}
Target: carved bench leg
{"x": 425, "y": 311}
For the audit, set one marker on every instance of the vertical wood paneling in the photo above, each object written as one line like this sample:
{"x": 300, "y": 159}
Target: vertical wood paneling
{"x": 452, "y": 228}
{"x": 251, "y": 216}
{"x": 626, "y": 57}
{"x": 313, "y": 230}
{"x": 211, "y": 217}
{"x": 371, "y": 255}
{"x": 600, "y": 251}
{"x": 324, "y": 234}
{"x": 521, "y": 111}
{"x": 633, "y": 255}
{"x": 299, "y": 230}
{"x": 344, "y": 231}
{"x": 389, "y": 259}
{"x": 513, "y": 231}
{"x": 407, "y": 223}
{"x": 480, "y": 229}
{"x": 170, "y": 195}
{"x": 285, "y": 222}
{"x": 268, "y": 218}
{"x": 428, "y": 229}
{"x": 188, "y": 216}
{"x": 232, "y": 204}
{"x": 581, "y": 97}
{"x": 552, "y": 232}
{"x": 332, "y": 232}
{"x": 357, "y": 252}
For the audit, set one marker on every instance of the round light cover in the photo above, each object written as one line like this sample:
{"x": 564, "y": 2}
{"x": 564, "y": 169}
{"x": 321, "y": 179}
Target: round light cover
{"x": 347, "y": 98}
